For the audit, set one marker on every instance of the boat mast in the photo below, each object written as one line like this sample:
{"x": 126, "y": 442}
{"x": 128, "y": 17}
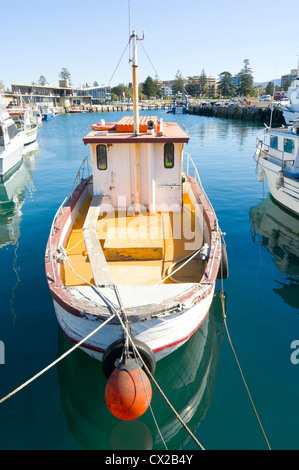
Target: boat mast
{"x": 134, "y": 38}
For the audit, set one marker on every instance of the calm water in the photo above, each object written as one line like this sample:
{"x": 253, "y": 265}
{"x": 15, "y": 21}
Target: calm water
{"x": 65, "y": 407}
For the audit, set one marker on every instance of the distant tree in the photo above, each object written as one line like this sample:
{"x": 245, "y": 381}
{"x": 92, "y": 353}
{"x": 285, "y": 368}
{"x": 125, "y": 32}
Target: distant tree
{"x": 121, "y": 92}
{"x": 246, "y": 80}
{"x": 203, "y": 83}
{"x": 65, "y": 75}
{"x": 192, "y": 87}
{"x": 95, "y": 84}
{"x": 225, "y": 86}
{"x": 2, "y": 86}
{"x": 42, "y": 80}
{"x": 151, "y": 87}
{"x": 270, "y": 89}
{"x": 178, "y": 84}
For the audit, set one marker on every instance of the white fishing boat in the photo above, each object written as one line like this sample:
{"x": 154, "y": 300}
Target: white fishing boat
{"x": 134, "y": 253}
{"x": 25, "y": 121}
{"x": 291, "y": 111}
{"x": 277, "y": 159}
{"x": 46, "y": 113}
{"x": 11, "y": 142}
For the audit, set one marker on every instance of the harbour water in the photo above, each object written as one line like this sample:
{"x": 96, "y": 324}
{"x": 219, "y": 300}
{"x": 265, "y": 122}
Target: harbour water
{"x": 65, "y": 408}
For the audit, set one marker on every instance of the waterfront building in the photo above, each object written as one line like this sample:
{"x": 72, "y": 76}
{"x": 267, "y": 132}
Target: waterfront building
{"x": 62, "y": 96}
{"x": 288, "y": 78}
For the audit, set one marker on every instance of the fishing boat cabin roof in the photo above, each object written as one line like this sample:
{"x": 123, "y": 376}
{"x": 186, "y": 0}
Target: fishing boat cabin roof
{"x": 150, "y": 130}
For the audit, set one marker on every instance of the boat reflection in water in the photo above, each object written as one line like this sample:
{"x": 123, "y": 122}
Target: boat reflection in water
{"x": 12, "y": 197}
{"x": 186, "y": 377}
{"x": 278, "y": 231}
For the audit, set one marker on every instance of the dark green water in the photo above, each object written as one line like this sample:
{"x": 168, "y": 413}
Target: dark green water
{"x": 65, "y": 407}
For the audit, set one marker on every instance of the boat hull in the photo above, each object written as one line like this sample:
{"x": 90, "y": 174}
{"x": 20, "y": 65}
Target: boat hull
{"x": 164, "y": 325}
{"x": 162, "y": 335}
{"x": 12, "y": 156}
{"x": 31, "y": 135}
{"x": 287, "y": 193}
{"x": 289, "y": 114}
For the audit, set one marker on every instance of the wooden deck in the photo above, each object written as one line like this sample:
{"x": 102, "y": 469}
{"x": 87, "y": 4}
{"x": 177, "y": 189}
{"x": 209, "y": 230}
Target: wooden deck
{"x": 134, "y": 249}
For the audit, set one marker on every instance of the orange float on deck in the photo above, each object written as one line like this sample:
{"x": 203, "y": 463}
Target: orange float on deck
{"x": 105, "y": 126}
{"x": 128, "y": 391}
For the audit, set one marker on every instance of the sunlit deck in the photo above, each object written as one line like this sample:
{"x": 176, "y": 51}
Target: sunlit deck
{"x": 139, "y": 248}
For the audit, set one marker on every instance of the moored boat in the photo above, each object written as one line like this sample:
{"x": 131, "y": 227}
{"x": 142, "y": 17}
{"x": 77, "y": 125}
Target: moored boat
{"x": 46, "y": 113}
{"x": 25, "y": 121}
{"x": 11, "y": 142}
{"x": 277, "y": 159}
{"x": 134, "y": 253}
{"x": 291, "y": 111}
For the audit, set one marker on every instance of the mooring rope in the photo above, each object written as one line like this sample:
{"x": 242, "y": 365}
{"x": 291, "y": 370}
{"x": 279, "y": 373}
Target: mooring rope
{"x": 128, "y": 336}
{"x": 57, "y": 360}
{"x": 222, "y": 298}
{"x": 159, "y": 388}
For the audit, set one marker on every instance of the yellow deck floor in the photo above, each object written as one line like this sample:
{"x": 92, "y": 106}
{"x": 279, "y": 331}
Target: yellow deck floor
{"x": 140, "y": 248}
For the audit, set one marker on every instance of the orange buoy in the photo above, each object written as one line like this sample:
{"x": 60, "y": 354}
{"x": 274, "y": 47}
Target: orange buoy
{"x": 128, "y": 391}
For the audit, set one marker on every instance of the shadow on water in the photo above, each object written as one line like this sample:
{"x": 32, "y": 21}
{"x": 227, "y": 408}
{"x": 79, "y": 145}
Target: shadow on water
{"x": 187, "y": 377}
{"x": 277, "y": 230}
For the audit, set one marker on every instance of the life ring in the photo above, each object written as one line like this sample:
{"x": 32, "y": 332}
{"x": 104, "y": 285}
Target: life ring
{"x": 223, "y": 268}
{"x": 114, "y": 352}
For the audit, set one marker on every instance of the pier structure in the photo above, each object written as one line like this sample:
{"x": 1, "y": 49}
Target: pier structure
{"x": 242, "y": 112}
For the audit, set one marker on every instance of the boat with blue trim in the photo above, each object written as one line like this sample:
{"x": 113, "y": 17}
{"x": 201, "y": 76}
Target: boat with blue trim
{"x": 277, "y": 159}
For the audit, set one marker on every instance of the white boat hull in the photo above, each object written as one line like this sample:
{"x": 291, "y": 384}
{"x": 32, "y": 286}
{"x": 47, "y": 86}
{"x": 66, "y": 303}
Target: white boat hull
{"x": 12, "y": 155}
{"x": 163, "y": 317}
{"x": 162, "y": 335}
{"x": 286, "y": 194}
{"x": 31, "y": 136}
{"x": 289, "y": 114}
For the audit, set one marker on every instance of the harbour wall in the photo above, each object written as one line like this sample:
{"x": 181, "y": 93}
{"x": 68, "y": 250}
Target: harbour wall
{"x": 246, "y": 113}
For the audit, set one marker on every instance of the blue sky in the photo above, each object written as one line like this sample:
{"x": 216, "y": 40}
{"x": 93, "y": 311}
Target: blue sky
{"x": 89, "y": 38}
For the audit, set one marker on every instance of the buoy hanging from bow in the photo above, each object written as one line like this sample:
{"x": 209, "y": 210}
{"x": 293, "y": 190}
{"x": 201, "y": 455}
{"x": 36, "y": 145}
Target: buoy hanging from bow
{"x": 128, "y": 391}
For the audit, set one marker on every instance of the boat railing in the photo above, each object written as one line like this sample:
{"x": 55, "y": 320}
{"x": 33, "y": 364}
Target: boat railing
{"x": 81, "y": 174}
{"x": 264, "y": 147}
{"x": 190, "y": 166}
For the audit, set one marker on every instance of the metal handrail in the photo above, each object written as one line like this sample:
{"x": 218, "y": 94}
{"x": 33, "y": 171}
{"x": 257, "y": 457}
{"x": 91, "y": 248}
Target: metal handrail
{"x": 264, "y": 147}
{"x": 198, "y": 180}
{"x": 78, "y": 178}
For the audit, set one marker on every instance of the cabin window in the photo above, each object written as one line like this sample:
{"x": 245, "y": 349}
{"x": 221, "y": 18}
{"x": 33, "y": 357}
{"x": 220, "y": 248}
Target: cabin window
{"x": 274, "y": 141}
{"x": 169, "y": 155}
{"x": 12, "y": 131}
{"x": 1, "y": 137}
{"x": 289, "y": 145}
{"x": 102, "y": 157}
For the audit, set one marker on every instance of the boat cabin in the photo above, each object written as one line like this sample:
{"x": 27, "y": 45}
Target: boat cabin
{"x": 284, "y": 146}
{"x": 8, "y": 129}
{"x": 144, "y": 173}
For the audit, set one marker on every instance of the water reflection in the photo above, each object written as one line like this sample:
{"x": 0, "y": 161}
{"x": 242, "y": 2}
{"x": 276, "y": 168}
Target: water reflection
{"x": 12, "y": 196}
{"x": 186, "y": 377}
{"x": 278, "y": 231}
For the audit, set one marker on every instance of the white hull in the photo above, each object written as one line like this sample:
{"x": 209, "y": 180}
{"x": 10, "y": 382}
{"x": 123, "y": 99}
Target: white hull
{"x": 162, "y": 335}
{"x": 12, "y": 155}
{"x": 31, "y": 136}
{"x": 163, "y": 317}
{"x": 289, "y": 115}
{"x": 288, "y": 194}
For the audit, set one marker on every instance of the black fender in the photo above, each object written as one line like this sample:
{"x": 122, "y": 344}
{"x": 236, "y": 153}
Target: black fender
{"x": 223, "y": 271}
{"x": 114, "y": 352}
